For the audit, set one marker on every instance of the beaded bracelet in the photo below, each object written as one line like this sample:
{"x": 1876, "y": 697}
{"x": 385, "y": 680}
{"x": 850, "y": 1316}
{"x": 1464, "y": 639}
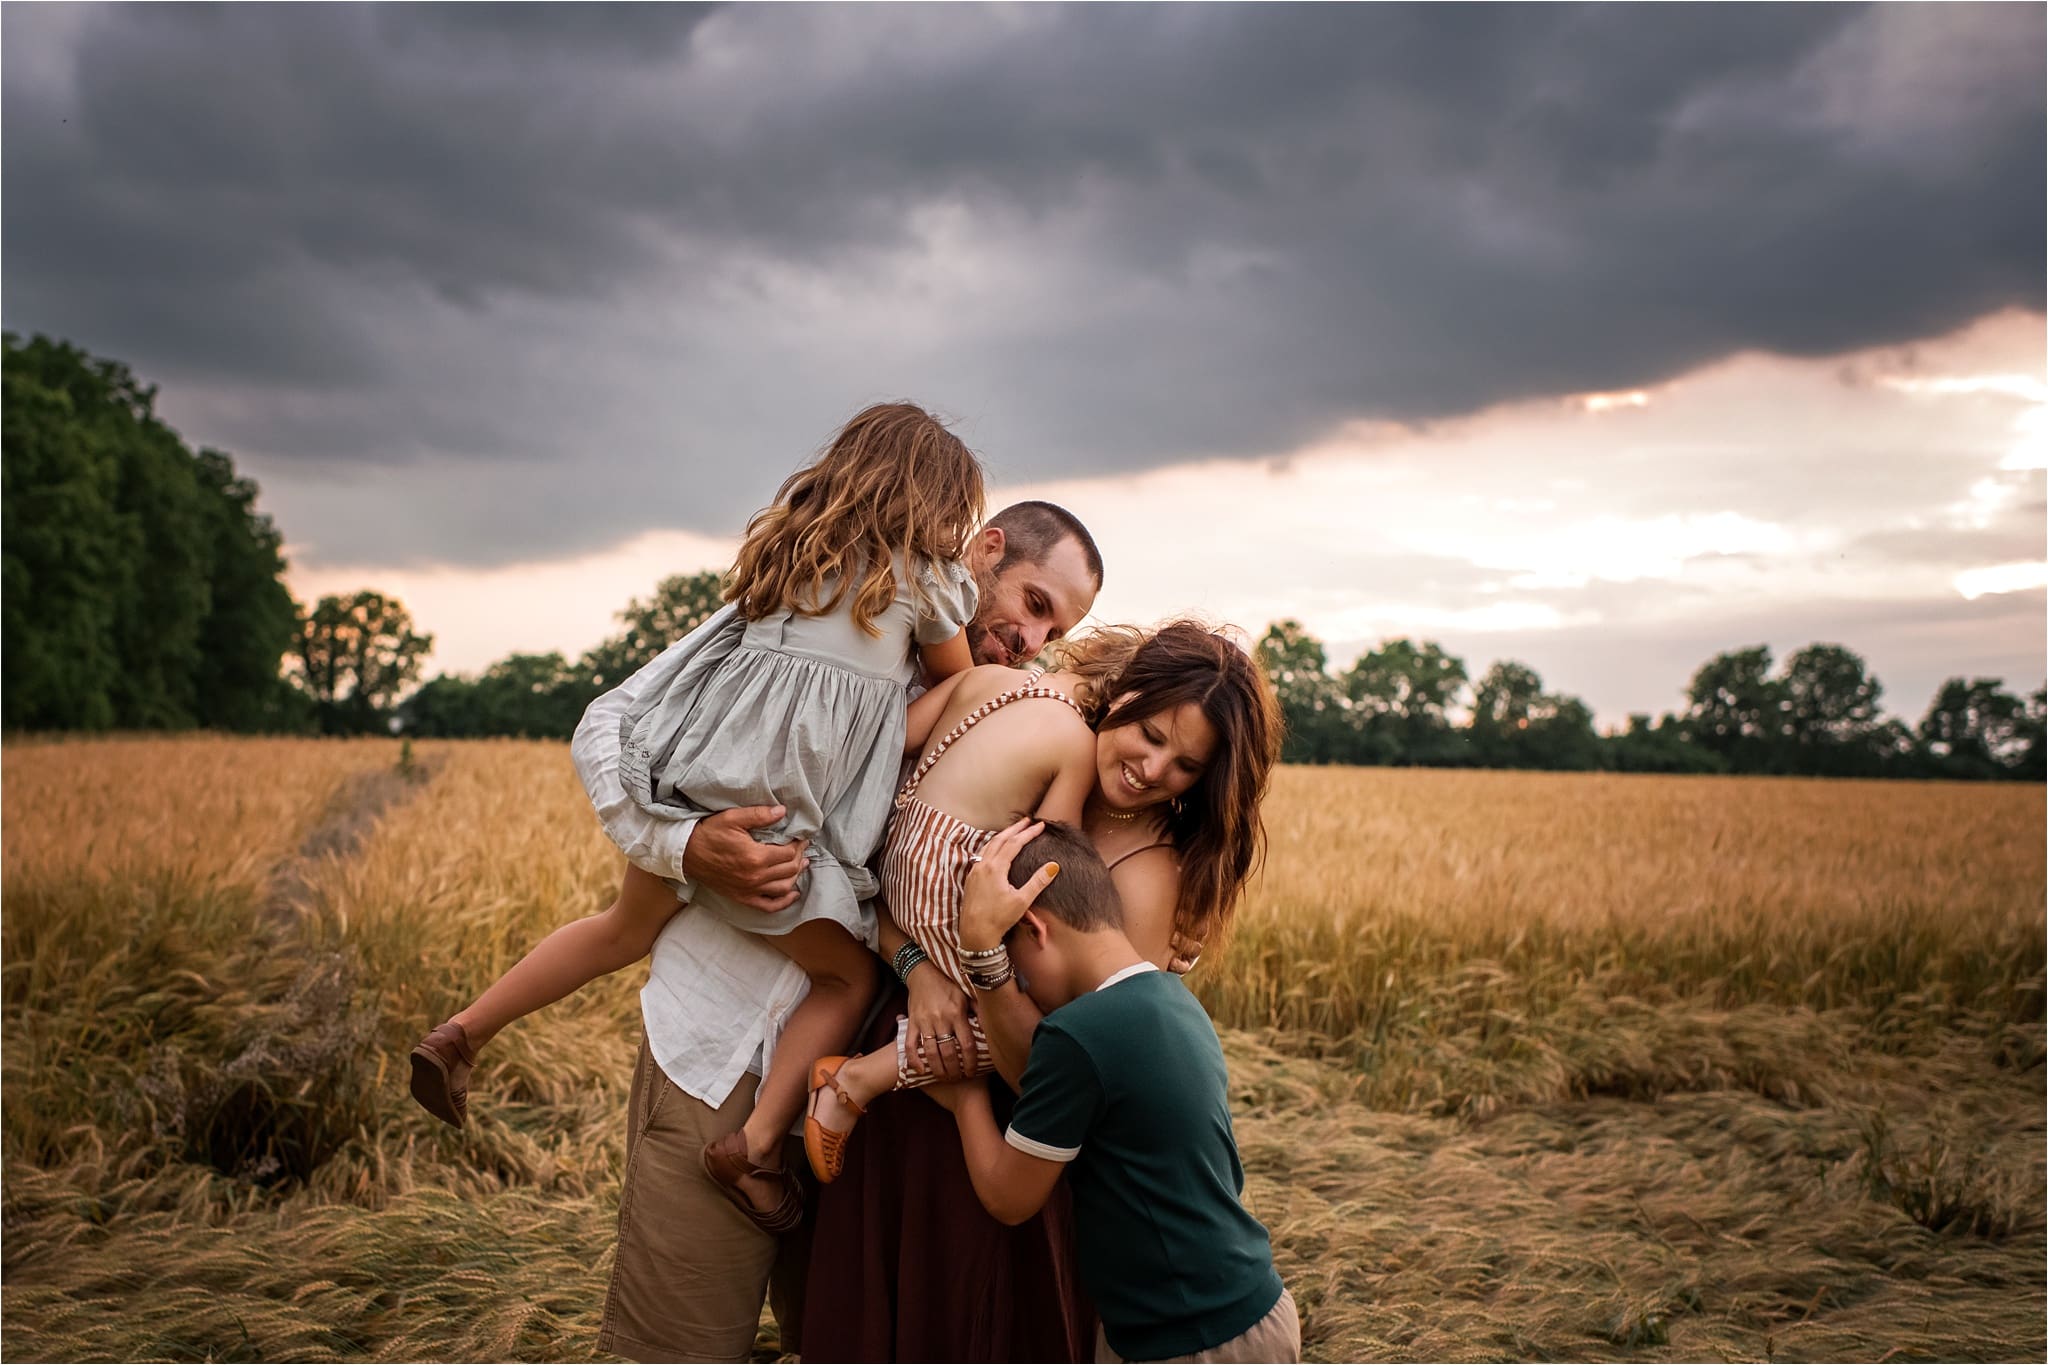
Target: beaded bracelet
{"x": 999, "y": 953}
{"x": 986, "y": 978}
{"x": 906, "y": 960}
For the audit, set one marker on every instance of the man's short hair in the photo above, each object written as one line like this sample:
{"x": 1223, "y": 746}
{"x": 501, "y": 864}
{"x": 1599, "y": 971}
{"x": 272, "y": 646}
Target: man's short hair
{"x": 1082, "y": 896}
{"x": 1032, "y": 529}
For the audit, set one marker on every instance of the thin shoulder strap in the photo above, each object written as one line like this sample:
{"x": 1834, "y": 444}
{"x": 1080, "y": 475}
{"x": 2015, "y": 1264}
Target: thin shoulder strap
{"x": 1141, "y": 848}
{"x": 1028, "y": 688}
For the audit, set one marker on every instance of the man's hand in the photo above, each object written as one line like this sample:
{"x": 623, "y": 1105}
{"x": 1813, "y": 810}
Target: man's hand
{"x": 940, "y": 1041}
{"x": 990, "y": 906}
{"x": 722, "y": 855}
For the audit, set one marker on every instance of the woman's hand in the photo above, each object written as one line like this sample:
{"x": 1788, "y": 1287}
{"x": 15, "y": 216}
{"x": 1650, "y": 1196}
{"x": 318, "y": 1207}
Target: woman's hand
{"x": 1186, "y": 953}
{"x": 940, "y": 1043}
{"x": 991, "y": 907}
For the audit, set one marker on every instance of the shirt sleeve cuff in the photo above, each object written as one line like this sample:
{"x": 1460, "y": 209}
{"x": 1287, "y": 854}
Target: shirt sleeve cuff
{"x": 1042, "y": 1150}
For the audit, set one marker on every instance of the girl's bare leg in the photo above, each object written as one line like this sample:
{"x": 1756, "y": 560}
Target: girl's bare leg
{"x": 843, "y": 982}
{"x": 575, "y": 955}
{"x": 866, "y": 1078}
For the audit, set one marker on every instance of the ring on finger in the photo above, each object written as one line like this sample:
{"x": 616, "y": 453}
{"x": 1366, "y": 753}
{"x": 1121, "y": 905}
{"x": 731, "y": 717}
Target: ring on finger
{"x": 946, "y": 1038}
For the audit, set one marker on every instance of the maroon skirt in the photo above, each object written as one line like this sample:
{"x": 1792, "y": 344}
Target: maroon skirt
{"x": 907, "y": 1265}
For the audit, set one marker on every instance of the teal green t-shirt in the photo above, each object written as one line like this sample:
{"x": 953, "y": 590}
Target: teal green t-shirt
{"x": 1128, "y": 1084}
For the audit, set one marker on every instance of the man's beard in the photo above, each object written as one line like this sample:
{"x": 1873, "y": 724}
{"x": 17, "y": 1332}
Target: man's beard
{"x": 982, "y": 643}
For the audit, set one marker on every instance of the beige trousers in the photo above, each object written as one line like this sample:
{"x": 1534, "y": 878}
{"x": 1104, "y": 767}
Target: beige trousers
{"x": 691, "y": 1271}
{"x": 1275, "y": 1337}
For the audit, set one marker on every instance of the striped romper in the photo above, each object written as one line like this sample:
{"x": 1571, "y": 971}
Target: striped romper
{"x": 924, "y": 871}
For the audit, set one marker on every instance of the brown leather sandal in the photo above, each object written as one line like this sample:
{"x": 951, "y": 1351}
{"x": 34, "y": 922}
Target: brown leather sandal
{"x": 826, "y": 1147}
{"x": 726, "y": 1162}
{"x": 441, "y": 1063}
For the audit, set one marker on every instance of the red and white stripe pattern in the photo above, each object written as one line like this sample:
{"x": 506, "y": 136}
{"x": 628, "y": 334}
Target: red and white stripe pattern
{"x": 924, "y": 869}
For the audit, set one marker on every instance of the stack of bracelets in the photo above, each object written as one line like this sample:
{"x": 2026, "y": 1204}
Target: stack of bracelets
{"x": 906, "y": 960}
{"x": 987, "y": 969}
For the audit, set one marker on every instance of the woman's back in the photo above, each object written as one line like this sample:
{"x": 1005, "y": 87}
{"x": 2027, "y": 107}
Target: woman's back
{"x": 1004, "y": 763}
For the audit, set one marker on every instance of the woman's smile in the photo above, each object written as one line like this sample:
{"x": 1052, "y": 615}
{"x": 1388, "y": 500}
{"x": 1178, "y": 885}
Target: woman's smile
{"x": 1155, "y": 759}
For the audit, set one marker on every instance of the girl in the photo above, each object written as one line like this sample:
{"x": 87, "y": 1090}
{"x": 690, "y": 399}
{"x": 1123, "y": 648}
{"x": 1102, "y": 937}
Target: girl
{"x": 794, "y": 697}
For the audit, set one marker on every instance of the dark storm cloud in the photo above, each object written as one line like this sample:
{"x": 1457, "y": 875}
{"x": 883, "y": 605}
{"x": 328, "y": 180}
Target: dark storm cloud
{"x": 1113, "y": 235}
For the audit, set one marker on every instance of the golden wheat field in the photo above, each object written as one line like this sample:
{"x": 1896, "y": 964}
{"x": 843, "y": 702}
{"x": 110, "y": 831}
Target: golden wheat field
{"x": 1524, "y": 1066}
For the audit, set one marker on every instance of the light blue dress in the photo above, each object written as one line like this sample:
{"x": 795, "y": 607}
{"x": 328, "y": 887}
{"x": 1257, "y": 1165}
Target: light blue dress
{"x": 805, "y": 712}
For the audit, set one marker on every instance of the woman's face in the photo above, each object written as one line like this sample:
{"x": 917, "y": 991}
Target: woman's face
{"x": 1151, "y": 761}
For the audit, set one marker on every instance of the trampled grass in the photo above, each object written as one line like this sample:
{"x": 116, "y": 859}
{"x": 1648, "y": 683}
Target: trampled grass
{"x": 1567, "y": 1067}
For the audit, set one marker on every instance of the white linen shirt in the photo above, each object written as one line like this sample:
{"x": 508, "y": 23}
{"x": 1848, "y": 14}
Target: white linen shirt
{"x": 716, "y": 997}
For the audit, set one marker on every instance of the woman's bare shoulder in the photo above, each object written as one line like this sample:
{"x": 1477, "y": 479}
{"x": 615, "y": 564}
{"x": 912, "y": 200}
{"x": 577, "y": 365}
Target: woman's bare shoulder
{"x": 986, "y": 681}
{"x": 1148, "y": 883}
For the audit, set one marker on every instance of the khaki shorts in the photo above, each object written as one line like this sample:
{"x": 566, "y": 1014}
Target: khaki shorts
{"x": 1274, "y": 1338}
{"x": 691, "y": 1271}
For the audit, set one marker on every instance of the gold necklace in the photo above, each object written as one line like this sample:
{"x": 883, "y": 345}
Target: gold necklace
{"x": 1121, "y": 815}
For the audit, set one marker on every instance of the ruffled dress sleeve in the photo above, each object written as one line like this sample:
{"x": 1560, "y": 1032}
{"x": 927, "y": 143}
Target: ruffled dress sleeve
{"x": 950, "y": 598}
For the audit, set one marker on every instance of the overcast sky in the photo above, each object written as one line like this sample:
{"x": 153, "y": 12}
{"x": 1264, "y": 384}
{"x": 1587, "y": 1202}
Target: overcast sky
{"x": 1603, "y": 338}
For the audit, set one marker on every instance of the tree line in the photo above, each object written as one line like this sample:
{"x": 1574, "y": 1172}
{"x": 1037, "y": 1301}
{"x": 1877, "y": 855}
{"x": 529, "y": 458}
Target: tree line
{"x": 140, "y": 589}
{"x": 1410, "y": 704}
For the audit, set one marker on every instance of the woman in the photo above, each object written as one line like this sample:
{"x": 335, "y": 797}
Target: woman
{"x": 905, "y": 1263}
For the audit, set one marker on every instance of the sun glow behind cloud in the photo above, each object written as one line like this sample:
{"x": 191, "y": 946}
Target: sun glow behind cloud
{"x": 1609, "y": 402}
{"x": 2001, "y": 578}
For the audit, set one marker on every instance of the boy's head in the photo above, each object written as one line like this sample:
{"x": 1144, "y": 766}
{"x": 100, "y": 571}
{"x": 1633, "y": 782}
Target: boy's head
{"x": 1080, "y": 901}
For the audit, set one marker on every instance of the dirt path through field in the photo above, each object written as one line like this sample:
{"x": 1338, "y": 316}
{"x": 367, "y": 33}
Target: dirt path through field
{"x": 352, "y": 814}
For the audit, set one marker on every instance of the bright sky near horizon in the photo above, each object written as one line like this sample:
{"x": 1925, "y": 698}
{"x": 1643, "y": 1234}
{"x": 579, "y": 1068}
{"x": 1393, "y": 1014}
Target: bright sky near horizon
{"x": 1601, "y": 338}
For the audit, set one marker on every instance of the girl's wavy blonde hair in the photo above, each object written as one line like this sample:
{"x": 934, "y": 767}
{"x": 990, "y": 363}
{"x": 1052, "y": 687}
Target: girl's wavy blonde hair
{"x": 894, "y": 484}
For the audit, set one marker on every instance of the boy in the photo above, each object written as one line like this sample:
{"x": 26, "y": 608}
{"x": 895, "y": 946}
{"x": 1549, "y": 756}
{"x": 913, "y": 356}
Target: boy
{"x": 1126, "y": 1085}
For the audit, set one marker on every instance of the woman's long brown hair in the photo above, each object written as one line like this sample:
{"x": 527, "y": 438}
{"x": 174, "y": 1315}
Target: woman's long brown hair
{"x": 894, "y": 484}
{"x": 1216, "y": 825}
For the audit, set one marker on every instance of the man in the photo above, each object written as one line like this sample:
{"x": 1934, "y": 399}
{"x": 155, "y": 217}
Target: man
{"x": 691, "y": 1271}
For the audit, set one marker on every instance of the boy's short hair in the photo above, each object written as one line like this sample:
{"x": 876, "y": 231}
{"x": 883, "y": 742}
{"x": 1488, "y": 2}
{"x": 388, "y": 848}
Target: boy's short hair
{"x": 1082, "y": 896}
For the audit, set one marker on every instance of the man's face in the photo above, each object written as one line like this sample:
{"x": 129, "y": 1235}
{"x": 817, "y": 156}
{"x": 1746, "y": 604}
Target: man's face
{"x": 1027, "y": 604}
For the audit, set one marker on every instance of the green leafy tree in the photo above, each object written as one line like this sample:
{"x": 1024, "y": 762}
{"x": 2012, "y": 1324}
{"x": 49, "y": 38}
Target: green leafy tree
{"x": 2033, "y": 734}
{"x": 1831, "y": 697}
{"x": 1831, "y": 714}
{"x": 538, "y": 696}
{"x": 444, "y": 707}
{"x": 1502, "y": 701}
{"x": 62, "y": 547}
{"x": 1516, "y": 724}
{"x": 1735, "y": 709}
{"x": 681, "y": 603}
{"x": 1658, "y": 747}
{"x": 251, "y": 619}
{"x": 354, "y": 655}
{"x": 141, "y": 587}
{"x": 1311, "y": 705}
{"x": 1400, "y": 694}
{"x": 1974, "y": 729}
